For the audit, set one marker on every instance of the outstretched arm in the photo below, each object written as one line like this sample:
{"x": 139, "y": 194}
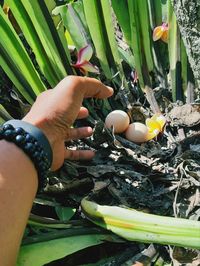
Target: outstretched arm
{"x": 53, "y": 112}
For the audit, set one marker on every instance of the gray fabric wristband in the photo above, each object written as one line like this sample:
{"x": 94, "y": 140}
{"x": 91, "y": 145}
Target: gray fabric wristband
{"x": 36, "y": 133}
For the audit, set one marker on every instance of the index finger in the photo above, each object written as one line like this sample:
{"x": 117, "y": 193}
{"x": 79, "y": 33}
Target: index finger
{"x": 94, "y": 88}
{"x": 87, "y": 87}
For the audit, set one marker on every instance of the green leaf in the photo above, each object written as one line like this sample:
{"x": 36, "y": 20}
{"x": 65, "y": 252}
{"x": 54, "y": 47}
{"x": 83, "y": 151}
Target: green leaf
{"x": 16, "y": 63}
{"x": 184, "y": 67}
{"x": 159, "y": 51}
{"x": 155, "y": 12}
{"x": 45, "y": 222}
{"x": 109, "y": 27}
{"x": 127, "y": 56}
{"x": 34, "y": 41}
{"x": 73, "y": 24}
{"x": 50, "y": 4}
{"x": 136, "y": 45}
{"x": 4, "y": 115}
{"x": 96, "y": 25}
{"x": 38, "y": 254}
{"x": 174, "y": 49}
{"x": 49, "y": 37}
{"x": 120, "y": 8}
{"x": 64, "y": 213}
{"x": 146, "y": 34}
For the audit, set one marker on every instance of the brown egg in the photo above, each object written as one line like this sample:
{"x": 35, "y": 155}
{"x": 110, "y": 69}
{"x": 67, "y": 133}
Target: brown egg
{"x": 137, "y": 132}
{"x": 118, "y": 119}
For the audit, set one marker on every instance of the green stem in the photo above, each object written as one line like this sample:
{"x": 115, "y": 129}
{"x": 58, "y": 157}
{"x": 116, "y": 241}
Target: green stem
{"x": 138, "y": 226}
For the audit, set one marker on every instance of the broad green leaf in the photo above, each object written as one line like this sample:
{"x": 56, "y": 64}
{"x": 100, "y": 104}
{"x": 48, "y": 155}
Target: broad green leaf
{"x": 73, "y": 24}
{"x": 10, "y": 68}
{"x": 41, "y": 253}
{"x": 155, "y": 12}
{"x": 50, "y": 4}
{"x": 121, "y": 11}
{"x": 49, "y": 37}
{"x": 96, "y": 25}
{"x": 109, "y": 26}
{"x": 146, "y": 35}
{"x": 16, "y": 62}
{"x": 78, "y": 7}
{"x": 136, "y": 40}
{"x": 34, "y": 41}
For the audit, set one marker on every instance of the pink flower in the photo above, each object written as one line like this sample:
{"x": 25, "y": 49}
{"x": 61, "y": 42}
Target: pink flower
{"x": 84, "y": 55}
{"x": 161, "y": 32}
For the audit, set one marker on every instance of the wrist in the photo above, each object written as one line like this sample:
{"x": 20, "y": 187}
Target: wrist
{"x": 32, "y": 141}
{"x": 44, "y": 126}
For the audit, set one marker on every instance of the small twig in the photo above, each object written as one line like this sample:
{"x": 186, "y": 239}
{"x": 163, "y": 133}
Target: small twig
{"x": 152, "y": 100}
{"x": 176, "y": 194}
{"x": 142, "y": 259}
{"x": 181, "y": 134}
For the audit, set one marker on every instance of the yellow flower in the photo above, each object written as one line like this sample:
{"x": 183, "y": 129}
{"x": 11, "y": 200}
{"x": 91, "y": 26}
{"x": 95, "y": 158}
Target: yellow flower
{"x": 161, "y": 32}
{"x": 6, "y": 9}
{"x": 155, "y": 125}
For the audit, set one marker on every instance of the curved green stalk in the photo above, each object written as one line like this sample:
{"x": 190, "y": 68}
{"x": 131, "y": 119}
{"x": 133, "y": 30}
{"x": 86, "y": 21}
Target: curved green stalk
{"x": 174, "y": 47}
{"x": 138, "y": 226}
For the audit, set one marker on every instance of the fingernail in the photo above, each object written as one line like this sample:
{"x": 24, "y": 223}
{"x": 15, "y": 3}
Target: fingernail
{"x": 111, "y": 90}
{"x": 90, "y": 130}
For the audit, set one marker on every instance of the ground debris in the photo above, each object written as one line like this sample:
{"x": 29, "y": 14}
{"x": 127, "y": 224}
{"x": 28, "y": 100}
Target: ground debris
{"x": 161, "y": 177}
{"x": 185, "y": 115}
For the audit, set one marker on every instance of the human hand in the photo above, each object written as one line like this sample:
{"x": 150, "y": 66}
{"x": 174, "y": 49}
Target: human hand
{"x": 55, "y": 111}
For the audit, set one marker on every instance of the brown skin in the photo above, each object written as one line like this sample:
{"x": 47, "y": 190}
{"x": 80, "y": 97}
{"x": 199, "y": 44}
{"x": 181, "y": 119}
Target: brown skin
{"x": 53, "y": 112}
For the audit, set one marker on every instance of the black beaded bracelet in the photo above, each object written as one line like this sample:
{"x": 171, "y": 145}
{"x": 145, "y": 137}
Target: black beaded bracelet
{"x": 31, "y": 146}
